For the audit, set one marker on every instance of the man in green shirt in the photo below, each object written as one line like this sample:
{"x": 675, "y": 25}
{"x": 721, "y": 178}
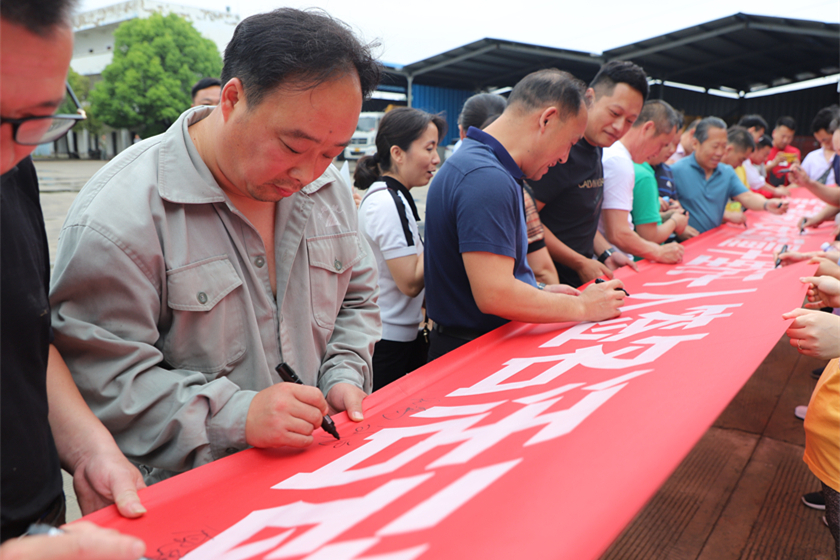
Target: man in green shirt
{"x": 646, "y": 215}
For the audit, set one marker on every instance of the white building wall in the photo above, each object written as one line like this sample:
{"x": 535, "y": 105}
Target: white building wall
{"x": 94, "y": 30}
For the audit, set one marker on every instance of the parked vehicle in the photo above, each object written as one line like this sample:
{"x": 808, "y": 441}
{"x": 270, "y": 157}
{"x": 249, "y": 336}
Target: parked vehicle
{"x": 363, "y": 141}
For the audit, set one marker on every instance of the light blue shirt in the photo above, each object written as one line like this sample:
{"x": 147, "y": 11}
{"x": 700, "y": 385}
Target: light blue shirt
{"x": 705, "y": 199}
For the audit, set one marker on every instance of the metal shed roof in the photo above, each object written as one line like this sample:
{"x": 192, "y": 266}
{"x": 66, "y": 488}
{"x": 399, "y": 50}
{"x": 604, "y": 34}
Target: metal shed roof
{"x": 741, "y": 52}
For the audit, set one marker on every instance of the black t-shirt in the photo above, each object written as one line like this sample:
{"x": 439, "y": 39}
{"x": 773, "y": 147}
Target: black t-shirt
{"x": 31, "y": 473}
{"x": 573, "y": 193}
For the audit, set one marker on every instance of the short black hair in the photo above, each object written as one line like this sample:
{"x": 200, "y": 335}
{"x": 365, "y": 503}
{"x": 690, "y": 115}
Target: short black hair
{"x": 619, "y": 72}
{"x": 786, "y": 121}
{"x": 753, "y": 121}
{"x": 701, "y": 133}
{"x": 764, "y": 142}
{"x": 204, "y": 83}
{"x": 479, "y": 108}
{"x": 661, "y": 114}
{"x": 399, "y": 127}
{"x": 740, "y": 137}
{"x": 300, "y": 48}
{"x": 547, "y": 87}
{"x": 822, "y": 120}
{"x": 40, "y": 17}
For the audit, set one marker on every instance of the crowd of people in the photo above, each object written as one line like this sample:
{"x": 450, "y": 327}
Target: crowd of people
{"x": 199, "y": 261}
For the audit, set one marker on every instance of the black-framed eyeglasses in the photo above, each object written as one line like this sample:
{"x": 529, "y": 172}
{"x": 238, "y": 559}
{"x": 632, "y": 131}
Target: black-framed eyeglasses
{"x": 32, "y": 131}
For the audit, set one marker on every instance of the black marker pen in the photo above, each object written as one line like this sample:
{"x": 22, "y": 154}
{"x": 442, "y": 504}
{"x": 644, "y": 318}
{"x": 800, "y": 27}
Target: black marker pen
{"x": 802, "y": 226}
{"x": 288, "y": 375}
{"x": 779, "y": 258}
{"x": 601, "y": 281}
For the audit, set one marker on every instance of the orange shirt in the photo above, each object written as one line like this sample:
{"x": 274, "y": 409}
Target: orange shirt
{"x": 822, "y": 427}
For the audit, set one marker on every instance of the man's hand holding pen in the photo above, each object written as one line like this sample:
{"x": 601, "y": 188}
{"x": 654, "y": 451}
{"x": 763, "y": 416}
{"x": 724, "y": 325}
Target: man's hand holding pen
{"x": 284, "y": 414}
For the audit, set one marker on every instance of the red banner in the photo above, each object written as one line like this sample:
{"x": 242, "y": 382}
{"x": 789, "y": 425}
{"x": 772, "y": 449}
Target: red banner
{"x": 534, "y": 441}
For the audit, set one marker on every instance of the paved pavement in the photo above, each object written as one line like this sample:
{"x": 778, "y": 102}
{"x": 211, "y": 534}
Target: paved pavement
{"x": 60, "y": 181}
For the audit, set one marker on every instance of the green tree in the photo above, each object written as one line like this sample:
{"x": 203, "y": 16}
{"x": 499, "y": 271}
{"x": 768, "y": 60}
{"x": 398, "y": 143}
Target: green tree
{"x": 156, "y": 62}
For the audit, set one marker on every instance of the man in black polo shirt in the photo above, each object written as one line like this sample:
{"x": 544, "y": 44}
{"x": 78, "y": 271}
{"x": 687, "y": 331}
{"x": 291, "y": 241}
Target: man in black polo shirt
{"x": 569, "y": 196}
{"x": 45, "y": 423}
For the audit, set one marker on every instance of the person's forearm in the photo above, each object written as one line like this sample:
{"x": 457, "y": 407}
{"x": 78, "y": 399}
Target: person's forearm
{"x": 543, "y": 267}
{"x": 630, "y": 242}
{"x": 756, "y": 202}
{"x": 657, "y": 233}
{"x": 498, "y": 292}
{"x": 517, "y": 301}
{"x": 600, "y": 243}
{"x": 562, "y": 253}
{"x": 827, "y": 212}
{"x": 829, "y": 194}
{"x": 76, "y": 430}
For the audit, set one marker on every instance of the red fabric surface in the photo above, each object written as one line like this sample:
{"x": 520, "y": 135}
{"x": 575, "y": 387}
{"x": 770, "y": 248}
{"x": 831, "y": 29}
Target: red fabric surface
{"x": 574, "y": 427}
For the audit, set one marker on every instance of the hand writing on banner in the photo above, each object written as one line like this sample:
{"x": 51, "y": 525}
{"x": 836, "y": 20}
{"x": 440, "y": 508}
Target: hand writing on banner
{"x": 814, "y": 333}
{"x": 79, "y": 540}
{"x": 284, "y": 414}
{"x": 602, "y": 301}
{"x": 776, "y": 206}
{"x": 824, "y": 291}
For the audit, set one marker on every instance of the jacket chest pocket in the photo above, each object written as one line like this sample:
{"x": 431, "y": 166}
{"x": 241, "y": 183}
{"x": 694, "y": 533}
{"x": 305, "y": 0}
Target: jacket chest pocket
{"x": 207, "y": 319}
{"x": 331, "y": 260}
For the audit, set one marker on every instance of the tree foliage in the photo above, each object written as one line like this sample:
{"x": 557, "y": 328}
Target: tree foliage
{"x": 156, "y": 62}
{"x": 81, "y": 87}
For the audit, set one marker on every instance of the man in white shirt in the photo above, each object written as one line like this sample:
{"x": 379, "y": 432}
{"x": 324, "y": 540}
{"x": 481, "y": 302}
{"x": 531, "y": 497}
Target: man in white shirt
{"x": 656, "y": 126}
{"x": 817, "y": 164}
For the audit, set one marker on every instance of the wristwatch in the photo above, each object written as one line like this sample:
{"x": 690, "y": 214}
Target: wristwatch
{"x": 602, "y": 258}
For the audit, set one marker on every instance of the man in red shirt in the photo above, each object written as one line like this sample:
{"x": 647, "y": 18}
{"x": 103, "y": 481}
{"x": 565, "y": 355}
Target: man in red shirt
{"x": 782, "y": 155}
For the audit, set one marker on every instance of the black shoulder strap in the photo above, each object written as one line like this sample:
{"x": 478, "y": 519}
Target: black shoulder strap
{"x": 409, "y": 238}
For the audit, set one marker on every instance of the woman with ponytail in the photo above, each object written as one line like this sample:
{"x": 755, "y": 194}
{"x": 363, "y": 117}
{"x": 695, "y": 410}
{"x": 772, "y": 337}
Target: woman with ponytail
{"x": 406, "y": 157}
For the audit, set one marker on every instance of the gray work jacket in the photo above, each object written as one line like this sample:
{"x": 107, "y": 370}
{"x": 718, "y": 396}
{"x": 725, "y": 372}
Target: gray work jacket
{"x": 163, "y": 309}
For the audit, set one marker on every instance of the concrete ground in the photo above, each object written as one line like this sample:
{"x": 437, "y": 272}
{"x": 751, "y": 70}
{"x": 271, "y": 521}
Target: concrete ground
{"x": 735, "y": 497}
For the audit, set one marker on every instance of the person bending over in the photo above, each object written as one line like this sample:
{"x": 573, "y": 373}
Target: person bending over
{"x": 477, "y": 275}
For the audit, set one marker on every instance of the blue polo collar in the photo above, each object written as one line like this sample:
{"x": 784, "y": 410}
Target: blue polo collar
{"x": 693, "y": 162}
{"x": 501, "y": 153}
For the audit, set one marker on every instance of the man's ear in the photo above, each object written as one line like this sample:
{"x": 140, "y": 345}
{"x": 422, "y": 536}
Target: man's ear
{"x": 549, "y": 114}
{"x": 232, "y": 98}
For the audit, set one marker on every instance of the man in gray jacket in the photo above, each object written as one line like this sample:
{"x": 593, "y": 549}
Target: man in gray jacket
{"x": 198, "y": 260}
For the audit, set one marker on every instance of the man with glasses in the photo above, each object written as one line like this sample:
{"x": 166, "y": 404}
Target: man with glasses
{"x": 45, "y": 423}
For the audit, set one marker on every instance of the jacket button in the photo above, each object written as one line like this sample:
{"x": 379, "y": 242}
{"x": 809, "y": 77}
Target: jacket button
{"x": 202, "y": 298}
{"x": 337, "y": 264}
{"x": 259, "y": 262}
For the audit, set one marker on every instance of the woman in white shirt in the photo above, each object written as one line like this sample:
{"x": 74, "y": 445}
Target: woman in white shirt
{"x": 406, "y": 157}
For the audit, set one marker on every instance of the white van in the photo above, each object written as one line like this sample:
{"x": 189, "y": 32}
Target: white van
{"x": 363, "y": 142}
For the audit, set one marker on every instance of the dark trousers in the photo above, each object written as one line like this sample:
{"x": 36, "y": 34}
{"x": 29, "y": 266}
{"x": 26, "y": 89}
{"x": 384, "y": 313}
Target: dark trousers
{"x": 440, "y": 344}
{"x": 392, "y": 359}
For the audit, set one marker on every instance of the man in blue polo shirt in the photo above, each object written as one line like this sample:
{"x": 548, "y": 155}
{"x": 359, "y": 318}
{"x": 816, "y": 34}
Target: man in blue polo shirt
{"x": 477, "y": 274}
{"x": 705, "y": 185}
